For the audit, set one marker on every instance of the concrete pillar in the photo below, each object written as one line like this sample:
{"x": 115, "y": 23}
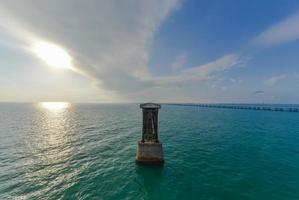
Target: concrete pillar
{"x": 149, "y": 149}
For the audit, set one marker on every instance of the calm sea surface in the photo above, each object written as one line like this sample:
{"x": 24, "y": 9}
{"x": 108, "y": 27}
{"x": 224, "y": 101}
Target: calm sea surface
{"x": 87, "y": 151}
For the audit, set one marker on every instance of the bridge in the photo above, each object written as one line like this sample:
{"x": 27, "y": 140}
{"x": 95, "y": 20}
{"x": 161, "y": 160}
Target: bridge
{"x": 259, "y": 107}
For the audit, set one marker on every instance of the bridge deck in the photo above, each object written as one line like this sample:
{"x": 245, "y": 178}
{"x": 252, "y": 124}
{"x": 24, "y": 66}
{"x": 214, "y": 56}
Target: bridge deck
{"x": 245, "y": 107}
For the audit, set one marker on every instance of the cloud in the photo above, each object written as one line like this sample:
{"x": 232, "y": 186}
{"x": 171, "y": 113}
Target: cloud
{"x": 224, "y": 88}
{"x": 258, "y": 92}
{"x": 180, "y": 61}
{"x": 109, "y": 42}
{"x": 203, "y": 72}
{"x": 275, "y": 79}
{"x": 233, "y": 80}
{"x": 284, "y": 31}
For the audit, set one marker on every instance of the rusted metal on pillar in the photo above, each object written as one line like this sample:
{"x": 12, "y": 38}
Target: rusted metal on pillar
{"x": 149, "y": 149}
{"x": 150, "y": 122}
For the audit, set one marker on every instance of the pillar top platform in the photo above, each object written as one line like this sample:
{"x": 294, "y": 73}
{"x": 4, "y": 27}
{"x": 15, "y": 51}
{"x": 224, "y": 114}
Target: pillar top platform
{"x": 150, "y": 106}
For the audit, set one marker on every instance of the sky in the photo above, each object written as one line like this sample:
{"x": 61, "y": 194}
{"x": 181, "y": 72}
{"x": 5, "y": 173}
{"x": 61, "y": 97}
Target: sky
{"x": 216, "y": 51}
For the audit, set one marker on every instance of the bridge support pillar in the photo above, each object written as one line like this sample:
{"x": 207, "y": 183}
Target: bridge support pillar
{"x": 149, "y": 152}
{"x": 149, "y": 149}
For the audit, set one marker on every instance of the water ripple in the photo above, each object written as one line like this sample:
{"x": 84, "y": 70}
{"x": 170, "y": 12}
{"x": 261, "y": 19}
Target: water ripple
{"x": 87, "y": 151}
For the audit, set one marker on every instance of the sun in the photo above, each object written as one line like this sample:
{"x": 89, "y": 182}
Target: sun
{"x": 53, "y": 55}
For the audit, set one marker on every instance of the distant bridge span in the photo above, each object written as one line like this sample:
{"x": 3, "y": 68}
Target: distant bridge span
{"x": 274, "y": 108}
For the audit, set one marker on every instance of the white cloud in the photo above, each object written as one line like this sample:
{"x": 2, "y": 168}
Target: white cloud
{"x": 180, "y": 61}
{"x": 224, "y": 88}
{"x": 236, "y": 81}
{"x": 108, "y": 41}
{"x": 275, "y": 79}
{"x": 203, "y": 72}
{"x": 284, "y": 31}
{"x": 258, "y": 92}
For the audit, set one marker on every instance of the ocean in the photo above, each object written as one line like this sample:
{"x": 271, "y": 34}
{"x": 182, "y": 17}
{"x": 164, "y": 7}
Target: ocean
{"x": 87, "y": 151}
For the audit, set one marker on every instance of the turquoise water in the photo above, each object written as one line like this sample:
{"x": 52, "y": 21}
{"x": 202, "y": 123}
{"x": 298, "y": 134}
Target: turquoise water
{"x": 86, "y": 151}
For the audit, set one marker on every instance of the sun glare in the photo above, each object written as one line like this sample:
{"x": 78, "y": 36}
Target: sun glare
{"x": 54, "y": 106}
{"x": 53, "y": 55}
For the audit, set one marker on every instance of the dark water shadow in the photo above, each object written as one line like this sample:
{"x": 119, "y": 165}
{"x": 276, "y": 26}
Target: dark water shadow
{"x": 149, "y": 177}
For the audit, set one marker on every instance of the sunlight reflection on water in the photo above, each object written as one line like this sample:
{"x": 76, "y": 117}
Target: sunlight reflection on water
{"x": 54, "y": 106}
{"x": 51, "y": 149}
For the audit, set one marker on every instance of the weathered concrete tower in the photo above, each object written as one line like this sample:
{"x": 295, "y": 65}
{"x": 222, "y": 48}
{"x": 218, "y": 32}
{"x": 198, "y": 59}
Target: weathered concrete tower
{"x": 149, "y": 149}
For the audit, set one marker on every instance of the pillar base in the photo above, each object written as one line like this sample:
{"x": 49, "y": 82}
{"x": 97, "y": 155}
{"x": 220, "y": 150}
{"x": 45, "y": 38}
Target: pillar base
{"x": 149, "y": 153}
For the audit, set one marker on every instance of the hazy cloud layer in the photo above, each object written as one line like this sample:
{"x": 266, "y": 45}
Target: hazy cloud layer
{"x": 258, "y": 92}
{"x": 180, "y": 61}
{"x": 284, "y": 31}
{"x": 275, "y": 79}
{"x": 203, "y": 72}
{"x": 109, "y": 42}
